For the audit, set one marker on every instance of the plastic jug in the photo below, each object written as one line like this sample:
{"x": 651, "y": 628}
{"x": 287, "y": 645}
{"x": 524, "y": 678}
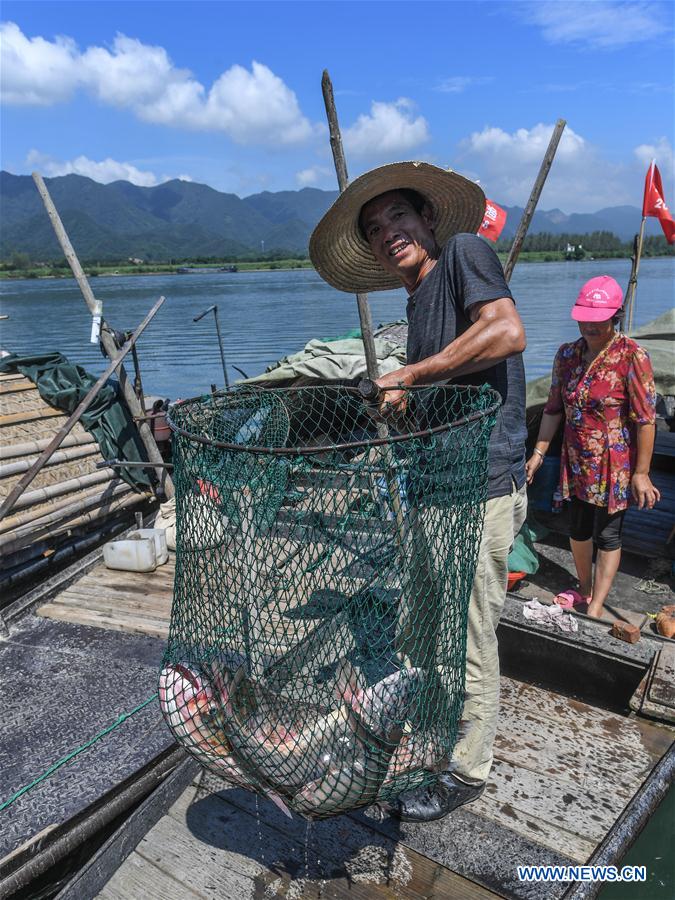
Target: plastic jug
{"x": 134, "y": 553}
{"x": 159, "y": 537}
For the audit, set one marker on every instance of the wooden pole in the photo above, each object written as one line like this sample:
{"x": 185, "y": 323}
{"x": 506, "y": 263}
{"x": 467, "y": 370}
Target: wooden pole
{"x": 632, "y": 284}
{"x": 528, "y": 212}
{"x": 95, "y": 307}
{"x": 365, "y": 317}
{"x": 76, "y": 415}
{"x": 107, "y": 338}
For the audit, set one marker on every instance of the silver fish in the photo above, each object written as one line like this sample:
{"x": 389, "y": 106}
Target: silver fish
{"x": 188, "y": 706}
{"x": 283, "y": 750}
{"x": 379, "y": 714}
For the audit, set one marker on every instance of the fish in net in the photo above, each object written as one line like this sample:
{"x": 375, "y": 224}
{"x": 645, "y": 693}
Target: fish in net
{"x": 317, "y": 642}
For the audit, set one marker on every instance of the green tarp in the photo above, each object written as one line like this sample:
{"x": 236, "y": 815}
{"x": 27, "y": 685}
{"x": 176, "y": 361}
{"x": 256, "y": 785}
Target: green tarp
{"x": 64, "y": 385}
{"x": 333, "y": 360}
{"x": 523, "y": 556}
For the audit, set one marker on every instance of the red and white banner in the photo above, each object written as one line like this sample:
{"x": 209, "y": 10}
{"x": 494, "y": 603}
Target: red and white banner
{"x": 493, "y": 222}
{"x": 654, "y": 203}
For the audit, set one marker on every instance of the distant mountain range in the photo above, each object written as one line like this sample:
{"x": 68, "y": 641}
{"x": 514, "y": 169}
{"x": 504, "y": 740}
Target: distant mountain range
{"x": 183, "y": 220}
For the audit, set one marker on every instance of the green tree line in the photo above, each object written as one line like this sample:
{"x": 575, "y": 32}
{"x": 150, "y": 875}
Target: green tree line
{"x": 597, "y": 243}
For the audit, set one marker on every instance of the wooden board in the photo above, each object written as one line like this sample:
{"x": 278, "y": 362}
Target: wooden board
{"x": 655, "y": 695}
{"x": 554, "y": 783}
{"x": 218, "y": 845}
{"x": 135, "y": 602}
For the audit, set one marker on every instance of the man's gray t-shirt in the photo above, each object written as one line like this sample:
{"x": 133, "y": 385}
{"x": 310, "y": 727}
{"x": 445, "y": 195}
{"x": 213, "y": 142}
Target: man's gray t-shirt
{"x": 468, "y": 272}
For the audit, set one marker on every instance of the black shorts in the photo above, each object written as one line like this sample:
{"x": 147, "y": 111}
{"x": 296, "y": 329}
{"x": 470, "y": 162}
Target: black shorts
{"x": 590, "y": 521}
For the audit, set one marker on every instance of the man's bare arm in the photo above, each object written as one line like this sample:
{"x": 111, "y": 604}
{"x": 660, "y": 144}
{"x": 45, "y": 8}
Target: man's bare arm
{"x": 497, "y": 333}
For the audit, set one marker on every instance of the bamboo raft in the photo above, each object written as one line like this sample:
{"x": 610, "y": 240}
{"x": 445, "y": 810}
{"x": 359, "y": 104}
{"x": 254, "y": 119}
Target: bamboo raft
{"x": 71, "y": 503}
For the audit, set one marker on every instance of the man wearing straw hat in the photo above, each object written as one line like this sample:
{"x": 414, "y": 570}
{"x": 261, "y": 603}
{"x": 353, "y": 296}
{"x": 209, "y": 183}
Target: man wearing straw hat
{"x": 414, "y": 224}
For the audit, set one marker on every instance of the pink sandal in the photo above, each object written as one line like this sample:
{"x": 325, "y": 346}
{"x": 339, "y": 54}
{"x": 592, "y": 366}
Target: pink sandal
{"x": 569, "y": 599}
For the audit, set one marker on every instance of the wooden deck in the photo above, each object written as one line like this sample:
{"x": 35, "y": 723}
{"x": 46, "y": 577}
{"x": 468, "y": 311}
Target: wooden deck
{"x": 138, "y": 603}
{"x": 563, "y": 773}
{"x": 216, "y": 845}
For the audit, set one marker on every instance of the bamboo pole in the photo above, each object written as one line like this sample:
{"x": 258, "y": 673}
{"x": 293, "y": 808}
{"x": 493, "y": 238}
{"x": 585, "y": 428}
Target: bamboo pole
{"x": 33, "y": 415}
{"x": 75, "y": 417}
{"x": 61, "y": 456}
{"x": 12, "y": 542}
{"x": 92, "y": 538}
{"x": 632, "y": 283}
{"x": 17, "y": 387}
{"x": 34, "y": 519}
{"x": 27, "y": 448}
{"x": 528, "y": 212}
{"x": 365, "y": 317}
{"x": 107, "y": 338}
{"x": 40, "y": 495}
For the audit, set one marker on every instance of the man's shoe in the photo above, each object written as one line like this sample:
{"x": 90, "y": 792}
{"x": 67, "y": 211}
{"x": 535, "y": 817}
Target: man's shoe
{"x": 434, "y": 801}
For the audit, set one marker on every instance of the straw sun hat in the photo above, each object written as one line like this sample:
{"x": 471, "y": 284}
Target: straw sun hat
{"x": 343, "y": 257}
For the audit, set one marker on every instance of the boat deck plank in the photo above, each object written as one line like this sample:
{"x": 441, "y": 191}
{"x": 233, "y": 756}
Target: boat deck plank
{"x": 133, "y": 602}
{"x": 563, "y": 773}
{"x": 235, "y": 852}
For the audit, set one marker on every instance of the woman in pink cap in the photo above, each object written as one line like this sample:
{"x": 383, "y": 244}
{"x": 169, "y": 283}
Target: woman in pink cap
{"x": 603, "y": 384}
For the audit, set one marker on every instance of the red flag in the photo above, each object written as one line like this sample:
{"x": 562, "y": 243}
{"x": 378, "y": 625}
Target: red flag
{"x": 654, "y": 203}
{"x": 493, "y": 221}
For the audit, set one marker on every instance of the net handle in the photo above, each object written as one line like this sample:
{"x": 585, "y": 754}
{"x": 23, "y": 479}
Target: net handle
{"x": 334, "y": 448}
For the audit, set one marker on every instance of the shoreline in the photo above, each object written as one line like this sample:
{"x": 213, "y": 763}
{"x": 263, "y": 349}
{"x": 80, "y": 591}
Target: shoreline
{"x": 272, "y": 266}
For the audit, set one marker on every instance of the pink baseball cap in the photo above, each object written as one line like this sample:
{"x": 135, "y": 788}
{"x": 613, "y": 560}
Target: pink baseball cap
{"x": 598, "y": 300}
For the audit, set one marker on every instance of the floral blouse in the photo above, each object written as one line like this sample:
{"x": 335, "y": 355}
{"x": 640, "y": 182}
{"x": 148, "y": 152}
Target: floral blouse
{"x": 602, "y": 407}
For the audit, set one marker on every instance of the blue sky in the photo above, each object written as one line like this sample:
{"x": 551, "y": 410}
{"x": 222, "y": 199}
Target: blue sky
{"x": 229, "y": 94}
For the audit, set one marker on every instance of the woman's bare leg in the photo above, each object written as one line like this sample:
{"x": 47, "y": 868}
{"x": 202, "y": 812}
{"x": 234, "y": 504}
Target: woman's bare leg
{"x": 582, "y": 551}
{"x": 606, "y": 567}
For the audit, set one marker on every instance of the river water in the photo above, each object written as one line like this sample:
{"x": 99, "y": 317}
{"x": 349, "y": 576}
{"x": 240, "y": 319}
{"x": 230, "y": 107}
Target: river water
{"x": 267, "y": 315}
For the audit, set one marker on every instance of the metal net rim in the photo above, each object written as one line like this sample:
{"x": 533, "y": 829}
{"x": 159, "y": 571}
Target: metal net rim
{"x": 474, "y": 390}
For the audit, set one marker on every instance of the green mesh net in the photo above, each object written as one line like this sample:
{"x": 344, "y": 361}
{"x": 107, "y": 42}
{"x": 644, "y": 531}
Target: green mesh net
{"x": 324, "y": 562}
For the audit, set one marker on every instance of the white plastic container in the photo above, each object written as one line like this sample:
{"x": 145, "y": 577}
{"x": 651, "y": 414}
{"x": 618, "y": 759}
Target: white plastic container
{"x": 134, "y": 553}
{"x": 159, "y": 537}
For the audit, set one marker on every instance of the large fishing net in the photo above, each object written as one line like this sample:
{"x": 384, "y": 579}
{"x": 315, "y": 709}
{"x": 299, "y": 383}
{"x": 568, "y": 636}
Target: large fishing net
{"x": 324, "y": 561}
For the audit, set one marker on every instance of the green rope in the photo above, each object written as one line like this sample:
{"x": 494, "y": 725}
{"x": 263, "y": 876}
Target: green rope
{"x": 74, "y": 753}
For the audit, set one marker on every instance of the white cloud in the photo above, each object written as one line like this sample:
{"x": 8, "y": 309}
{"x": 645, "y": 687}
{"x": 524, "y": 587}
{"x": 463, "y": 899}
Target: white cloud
{"x": 580, "y": 180}
{"x": 36, "y": 72}
{"x": 105, "y": 171}
{"x": 131, "y": 74}
{"x": 390, "y": 128}
{"x": 251, "y": 107}
{"x": 256, "y": 106}
{"x": 661, "y": 151}
{"x": 312, "y": 175}
{"x": 457, "y": 84}
{"x": 606, "y": 24}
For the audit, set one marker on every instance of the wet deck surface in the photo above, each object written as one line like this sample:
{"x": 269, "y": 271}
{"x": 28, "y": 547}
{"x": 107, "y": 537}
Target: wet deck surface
{"x": 563, "y": 773}
{"x": 553, "y": 793}
{"x": 61, "y": 685}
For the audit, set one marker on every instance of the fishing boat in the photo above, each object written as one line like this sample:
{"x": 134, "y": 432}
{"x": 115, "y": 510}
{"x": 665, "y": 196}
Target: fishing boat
{"x": 583, "y": 756}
